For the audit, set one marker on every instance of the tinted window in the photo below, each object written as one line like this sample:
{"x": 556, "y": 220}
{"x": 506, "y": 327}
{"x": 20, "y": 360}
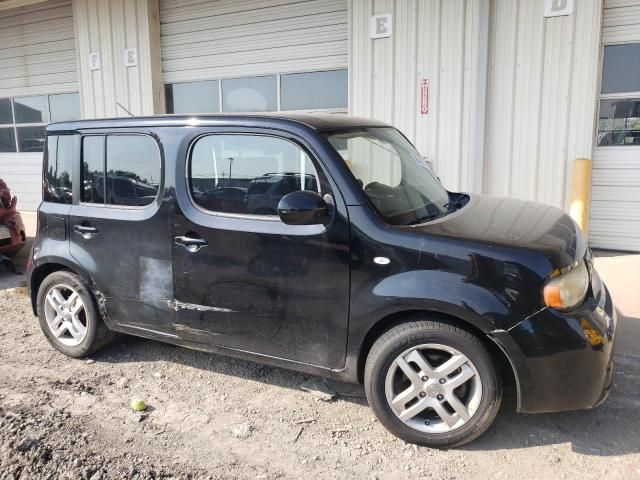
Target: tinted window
{"x": 315, "y": 90}
{"x": 31, "y": 109}
{"x": 248, "y": 174}
{"x": 6, "y": 116}
{"x": 7, "y": 140}
{"x": 621, "y": 68}
{"x": 58, "y": 170}
{"x": 194, "y": 97}
{"x": 257, "y": 94}
{"x": 64, "y": 107}
{"x": 133, "y": 170}
{"x": 92, "y": 190}
{"x": 31, "y": 139}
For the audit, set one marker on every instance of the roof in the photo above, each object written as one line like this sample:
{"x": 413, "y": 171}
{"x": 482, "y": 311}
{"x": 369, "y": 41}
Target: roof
{"x": 316, "y": 121}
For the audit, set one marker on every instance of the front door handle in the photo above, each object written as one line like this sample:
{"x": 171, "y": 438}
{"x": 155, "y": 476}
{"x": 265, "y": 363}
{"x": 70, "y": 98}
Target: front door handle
{"x": 85, "y": 231}
{"x": 191, "y": 244}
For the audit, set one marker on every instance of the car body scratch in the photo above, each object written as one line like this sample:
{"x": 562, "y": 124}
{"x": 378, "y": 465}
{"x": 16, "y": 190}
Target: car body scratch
{"x": 178, "y": 305}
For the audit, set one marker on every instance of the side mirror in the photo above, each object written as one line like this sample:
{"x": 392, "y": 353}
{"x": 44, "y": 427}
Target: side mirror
{"x": 303, "y": 207}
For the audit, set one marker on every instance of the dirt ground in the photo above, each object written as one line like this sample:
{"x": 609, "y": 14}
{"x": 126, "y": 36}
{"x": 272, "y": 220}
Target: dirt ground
{"x": 219, "y": 418}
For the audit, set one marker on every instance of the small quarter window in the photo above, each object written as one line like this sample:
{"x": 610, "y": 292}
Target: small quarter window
{"x": 248, "y": 174}
{"x": 58, "y": 169}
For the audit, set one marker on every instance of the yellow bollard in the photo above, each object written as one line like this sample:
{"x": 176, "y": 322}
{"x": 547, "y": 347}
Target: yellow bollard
{"x": 581, "y": 190}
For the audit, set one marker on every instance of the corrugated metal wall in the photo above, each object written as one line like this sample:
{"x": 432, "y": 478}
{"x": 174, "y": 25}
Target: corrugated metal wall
{"x": 237, "y": 38}
{"x": 541, "y": 98}
{"x": 540, "y": 88}
{"x": 438, "y": 40}
{"x": 108, "y": 27}
{"x": 37, "y": 50}
{"x": 37, "y": 56}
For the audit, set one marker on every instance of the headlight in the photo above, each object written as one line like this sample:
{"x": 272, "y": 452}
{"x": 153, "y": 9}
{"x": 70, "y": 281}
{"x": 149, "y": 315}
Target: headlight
{"x": 567, "y": 288}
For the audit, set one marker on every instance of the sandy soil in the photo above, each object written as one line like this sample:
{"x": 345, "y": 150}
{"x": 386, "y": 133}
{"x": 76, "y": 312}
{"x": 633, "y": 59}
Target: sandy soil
{"x": 213, "y": 417}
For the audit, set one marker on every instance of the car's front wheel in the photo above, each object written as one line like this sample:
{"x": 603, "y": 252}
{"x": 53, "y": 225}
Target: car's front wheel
{"x": 432, "y": 383}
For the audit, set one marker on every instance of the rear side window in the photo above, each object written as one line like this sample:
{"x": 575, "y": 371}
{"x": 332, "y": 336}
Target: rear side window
{"x": 120, "y": 170}
{"x": 58, "y": 169}
{"x": 248, "y": 174}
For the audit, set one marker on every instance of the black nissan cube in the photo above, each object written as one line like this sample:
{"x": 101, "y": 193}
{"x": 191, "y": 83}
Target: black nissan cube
{"x": 323, "y": 244}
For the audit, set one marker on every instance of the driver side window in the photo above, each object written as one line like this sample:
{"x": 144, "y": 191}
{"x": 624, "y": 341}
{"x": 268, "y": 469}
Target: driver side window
{"x": 246, "y": 174}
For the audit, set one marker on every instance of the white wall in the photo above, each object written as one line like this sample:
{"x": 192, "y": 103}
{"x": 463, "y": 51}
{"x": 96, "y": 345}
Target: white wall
{"x": 543, "y": 74}
{"x": 204, "y": 40}
{"x": 438, "y": 40}
{"x": 37, "y": 50}
{"x": 37, "y": 56}
{"x": 109, "y": 27}
{"x": 539, "y": 88}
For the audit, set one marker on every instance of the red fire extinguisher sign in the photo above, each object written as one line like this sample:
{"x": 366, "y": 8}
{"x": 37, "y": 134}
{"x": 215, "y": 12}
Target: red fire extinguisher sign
{"x": 424, "y": 96}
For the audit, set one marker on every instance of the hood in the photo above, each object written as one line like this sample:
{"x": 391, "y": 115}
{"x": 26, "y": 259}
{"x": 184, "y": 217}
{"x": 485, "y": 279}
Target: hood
{"x": 514, "y": 223}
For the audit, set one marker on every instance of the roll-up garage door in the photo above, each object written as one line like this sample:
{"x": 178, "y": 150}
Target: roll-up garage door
{"x": 615, "y": 194}
{"x": 241, "y": 55}
{"x": 38, "y": 84}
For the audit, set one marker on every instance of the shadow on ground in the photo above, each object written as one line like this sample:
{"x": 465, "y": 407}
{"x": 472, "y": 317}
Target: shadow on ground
{"x": 609, "y": 430}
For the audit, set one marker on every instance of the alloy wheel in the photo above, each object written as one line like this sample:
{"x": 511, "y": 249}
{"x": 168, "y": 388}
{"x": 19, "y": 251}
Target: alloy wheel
{"x": 65, "y": 314}
{"x": 433, "y": 388}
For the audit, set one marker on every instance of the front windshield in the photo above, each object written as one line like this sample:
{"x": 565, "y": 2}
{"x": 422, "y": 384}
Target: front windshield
{"x": 393, "y": 175}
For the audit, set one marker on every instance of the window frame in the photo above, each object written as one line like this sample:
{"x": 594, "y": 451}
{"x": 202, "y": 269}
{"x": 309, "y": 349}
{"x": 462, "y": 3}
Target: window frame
{"x": 278, "y": 76}
{"x": 609, "y": 96}
{"x": 106, "y": 205}
{"x": 15, "y": 126}
{"x": 323, "y": 182}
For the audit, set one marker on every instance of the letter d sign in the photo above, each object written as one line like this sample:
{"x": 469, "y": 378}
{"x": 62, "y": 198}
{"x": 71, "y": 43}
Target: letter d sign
{"x": 557, "y": 8}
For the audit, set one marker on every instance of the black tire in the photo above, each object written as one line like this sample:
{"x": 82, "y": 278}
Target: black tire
{"x": 97, "y": 336}
{"x": 402, "y": 337}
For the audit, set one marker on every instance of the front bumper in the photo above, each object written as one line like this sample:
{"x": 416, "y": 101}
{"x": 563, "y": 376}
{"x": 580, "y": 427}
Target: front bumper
{"x": 564, "y": 361}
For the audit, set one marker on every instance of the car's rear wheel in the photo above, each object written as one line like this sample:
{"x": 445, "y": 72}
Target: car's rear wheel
{"x": 432, "y": 383}
{"x": 69, "y": 316}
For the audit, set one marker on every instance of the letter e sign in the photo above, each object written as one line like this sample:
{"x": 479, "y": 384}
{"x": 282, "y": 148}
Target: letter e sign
{"x": 381, "y": 26}
{"x": 558, "y": 8}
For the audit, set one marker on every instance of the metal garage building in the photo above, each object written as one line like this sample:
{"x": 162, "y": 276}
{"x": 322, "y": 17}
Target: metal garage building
{"x": 502, "y": 95}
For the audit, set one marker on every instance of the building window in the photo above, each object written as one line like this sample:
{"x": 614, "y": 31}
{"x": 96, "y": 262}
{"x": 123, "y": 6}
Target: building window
{"x": 248, "y": 174}
{"x": 120, "y": 170}
{"x": 314, "y": 90}
{"x": 23, "y": 119}
{"x": 254, "y": 94}
{"x": 325, "y": 90}
{"x": 619, "y": 108}
{"x": 193, "y": 97}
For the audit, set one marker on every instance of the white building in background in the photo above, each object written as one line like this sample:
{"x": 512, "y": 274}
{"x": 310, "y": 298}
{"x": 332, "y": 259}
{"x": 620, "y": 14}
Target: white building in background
{"x": 501, "y": 95}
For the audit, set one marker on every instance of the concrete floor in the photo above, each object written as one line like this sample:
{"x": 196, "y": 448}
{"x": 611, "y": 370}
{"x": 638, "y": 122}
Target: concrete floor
{"x": 620, "y": 271}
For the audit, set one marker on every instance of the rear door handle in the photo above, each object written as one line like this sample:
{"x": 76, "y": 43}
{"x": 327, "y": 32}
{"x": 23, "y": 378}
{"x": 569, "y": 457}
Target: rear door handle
{"x": 85, "y": 231}
{"x": 191, "y": 244}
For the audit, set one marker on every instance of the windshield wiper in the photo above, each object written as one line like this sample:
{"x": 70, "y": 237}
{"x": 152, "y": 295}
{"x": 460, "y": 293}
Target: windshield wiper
{"x": 426, "y": 218}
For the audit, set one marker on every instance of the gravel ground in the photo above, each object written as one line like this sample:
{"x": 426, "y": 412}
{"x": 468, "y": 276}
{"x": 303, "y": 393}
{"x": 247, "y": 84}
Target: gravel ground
{"x": 213, "y": 417}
